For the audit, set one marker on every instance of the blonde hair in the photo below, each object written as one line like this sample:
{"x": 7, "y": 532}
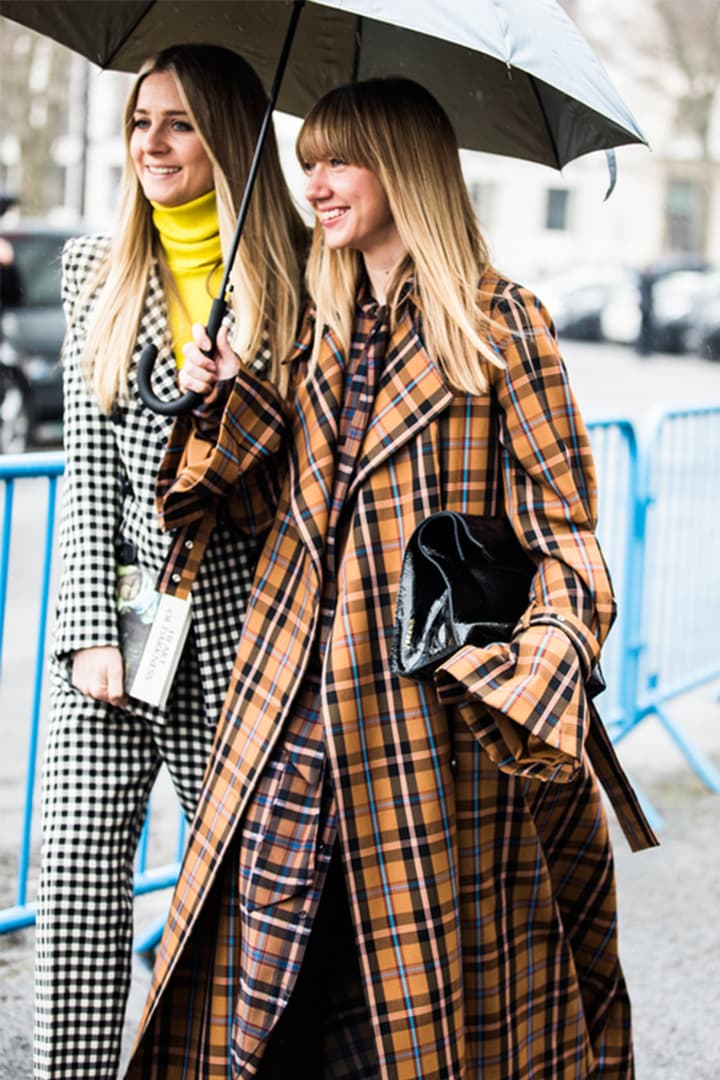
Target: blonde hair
{"x": 397, "y": 129}
{"x": 225, "y": 101}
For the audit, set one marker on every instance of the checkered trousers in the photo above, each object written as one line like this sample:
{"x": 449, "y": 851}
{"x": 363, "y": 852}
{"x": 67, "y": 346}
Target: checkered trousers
{"x": 100, "y": 766}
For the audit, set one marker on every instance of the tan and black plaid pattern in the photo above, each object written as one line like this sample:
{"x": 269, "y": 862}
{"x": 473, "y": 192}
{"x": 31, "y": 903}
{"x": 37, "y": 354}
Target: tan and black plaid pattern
{"x": 472, "y": 833}
{"x": 100, "y": 762}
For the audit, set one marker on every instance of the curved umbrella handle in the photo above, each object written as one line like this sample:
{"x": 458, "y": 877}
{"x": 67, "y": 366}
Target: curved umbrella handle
{"x": 183, "y": 404}
{"x": 178, "y": 406}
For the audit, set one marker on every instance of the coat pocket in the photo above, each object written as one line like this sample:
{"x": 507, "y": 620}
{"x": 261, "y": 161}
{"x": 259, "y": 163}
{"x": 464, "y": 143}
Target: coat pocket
{"x": 280, "y": 833}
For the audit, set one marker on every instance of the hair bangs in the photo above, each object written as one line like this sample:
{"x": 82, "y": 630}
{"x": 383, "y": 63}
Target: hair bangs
{"x": 397, "y": 129}
{"x": 334, "y": 129}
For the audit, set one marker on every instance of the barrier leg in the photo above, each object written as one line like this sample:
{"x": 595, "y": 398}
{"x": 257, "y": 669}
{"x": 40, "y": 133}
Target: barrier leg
{"x": 700, "y": 763}
{"x": 147, "y": 942}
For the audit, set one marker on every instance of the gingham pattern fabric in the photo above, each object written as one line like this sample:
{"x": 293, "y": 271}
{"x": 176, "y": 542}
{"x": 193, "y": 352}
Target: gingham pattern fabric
{"x": 100, "y": 766}
{"x": 100, "y": 762}
{"x": 480, "y": 882}
{"x": 109, "y": 493}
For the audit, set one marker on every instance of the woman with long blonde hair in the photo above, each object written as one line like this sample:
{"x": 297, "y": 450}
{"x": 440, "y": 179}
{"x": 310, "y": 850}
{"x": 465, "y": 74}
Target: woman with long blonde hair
{"x": 389, "y": 876}
{"x": 432, "y": 214}
{"x": 191, "y": 122}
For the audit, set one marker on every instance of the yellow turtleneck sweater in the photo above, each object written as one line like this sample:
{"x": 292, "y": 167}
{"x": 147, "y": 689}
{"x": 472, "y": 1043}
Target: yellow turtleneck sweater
{"x": 190, "y": 238}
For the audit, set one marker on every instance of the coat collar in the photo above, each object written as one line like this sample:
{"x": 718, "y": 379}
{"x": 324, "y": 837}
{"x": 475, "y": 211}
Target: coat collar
{"x": 312, "y": 446}
{"x": 411, "y": 393}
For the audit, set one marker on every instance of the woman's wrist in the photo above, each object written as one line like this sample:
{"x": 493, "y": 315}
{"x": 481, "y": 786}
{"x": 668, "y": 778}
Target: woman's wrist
{"x": 207, "y": 416}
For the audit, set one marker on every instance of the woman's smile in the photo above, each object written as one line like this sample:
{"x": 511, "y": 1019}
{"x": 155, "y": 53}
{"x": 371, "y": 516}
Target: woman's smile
{"x": 352, "y": 206}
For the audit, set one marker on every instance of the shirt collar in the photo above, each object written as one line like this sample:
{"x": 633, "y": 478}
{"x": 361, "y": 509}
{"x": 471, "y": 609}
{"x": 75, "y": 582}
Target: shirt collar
{"x": 369, "y": 306}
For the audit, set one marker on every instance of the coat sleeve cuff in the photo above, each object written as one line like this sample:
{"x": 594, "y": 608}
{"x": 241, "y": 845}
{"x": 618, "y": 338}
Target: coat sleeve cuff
{"x": 577, "y": 632}
{"x": 195, "y": 473}
{"x": 524, "y": 701}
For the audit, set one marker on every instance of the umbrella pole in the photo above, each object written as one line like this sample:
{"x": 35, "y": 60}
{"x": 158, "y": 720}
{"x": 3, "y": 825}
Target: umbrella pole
{"x": 218, "y": 309}
{"x": 255, "y": 164}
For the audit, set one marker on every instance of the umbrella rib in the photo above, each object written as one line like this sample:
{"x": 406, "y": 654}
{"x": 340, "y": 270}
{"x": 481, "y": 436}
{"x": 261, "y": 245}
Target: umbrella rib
{"x": 548, "y": 128}
{"x": 129, "y": 34}
{"x": 358, "y": 43}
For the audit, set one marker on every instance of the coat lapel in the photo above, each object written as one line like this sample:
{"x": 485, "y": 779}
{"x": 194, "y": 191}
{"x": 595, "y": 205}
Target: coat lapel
{"x": 411, "y": 393}
{"x": 312, "y": 448}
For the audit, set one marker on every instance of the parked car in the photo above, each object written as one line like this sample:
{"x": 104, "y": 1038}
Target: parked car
{"x": 675, "y": 288}
{"x": 704, "y": 337}
{"x": 32, "y": 327}
{"x": 576, "y": 298}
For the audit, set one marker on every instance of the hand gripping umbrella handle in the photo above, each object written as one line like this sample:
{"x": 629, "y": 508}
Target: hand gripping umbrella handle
{"x": 183, "y": 404}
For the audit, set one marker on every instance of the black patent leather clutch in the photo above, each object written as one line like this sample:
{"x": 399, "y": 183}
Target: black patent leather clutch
{"x": 465, "y": 580}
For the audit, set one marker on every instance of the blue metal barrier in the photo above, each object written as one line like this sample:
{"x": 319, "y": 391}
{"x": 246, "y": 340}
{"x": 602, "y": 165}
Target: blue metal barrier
{"x": 676, "y": 599}
{"x": 45, "y": 470}
{"x": 615, "y": 451}
{"x": 13, "y": 469}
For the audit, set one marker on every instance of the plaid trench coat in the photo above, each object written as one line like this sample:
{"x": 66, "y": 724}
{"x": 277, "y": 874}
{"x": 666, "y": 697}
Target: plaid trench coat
{"x": 471, "y": 826}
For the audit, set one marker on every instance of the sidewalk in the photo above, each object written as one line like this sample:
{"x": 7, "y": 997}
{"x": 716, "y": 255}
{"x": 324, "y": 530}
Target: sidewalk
{"x": 669, "y": 902}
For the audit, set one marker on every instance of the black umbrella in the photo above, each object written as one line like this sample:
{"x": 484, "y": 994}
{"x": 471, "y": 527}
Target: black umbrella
{"x": 515, "y": 76}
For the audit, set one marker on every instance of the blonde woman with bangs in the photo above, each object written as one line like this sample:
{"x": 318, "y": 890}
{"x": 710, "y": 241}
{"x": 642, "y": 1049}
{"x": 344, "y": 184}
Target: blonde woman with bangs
{"x": 191, "y": 123}
{"x": 390, "y": 878}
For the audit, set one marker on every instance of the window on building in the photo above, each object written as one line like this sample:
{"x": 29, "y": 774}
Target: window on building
{"x": 556, "y": 208}
{"x": 684, "y": 213}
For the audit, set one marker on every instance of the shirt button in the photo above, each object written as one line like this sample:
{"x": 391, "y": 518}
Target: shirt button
{"x": 176, "y": 577}
{"x": 188, "y": 544}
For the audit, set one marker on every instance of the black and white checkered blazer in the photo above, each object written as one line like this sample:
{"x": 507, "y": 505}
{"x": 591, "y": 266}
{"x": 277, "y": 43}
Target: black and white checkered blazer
{"x": 108, "y": 497}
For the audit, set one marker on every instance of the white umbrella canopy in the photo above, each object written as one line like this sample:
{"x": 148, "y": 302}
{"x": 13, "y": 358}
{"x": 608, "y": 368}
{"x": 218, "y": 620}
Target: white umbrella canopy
{"x": 516, "y": 76}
